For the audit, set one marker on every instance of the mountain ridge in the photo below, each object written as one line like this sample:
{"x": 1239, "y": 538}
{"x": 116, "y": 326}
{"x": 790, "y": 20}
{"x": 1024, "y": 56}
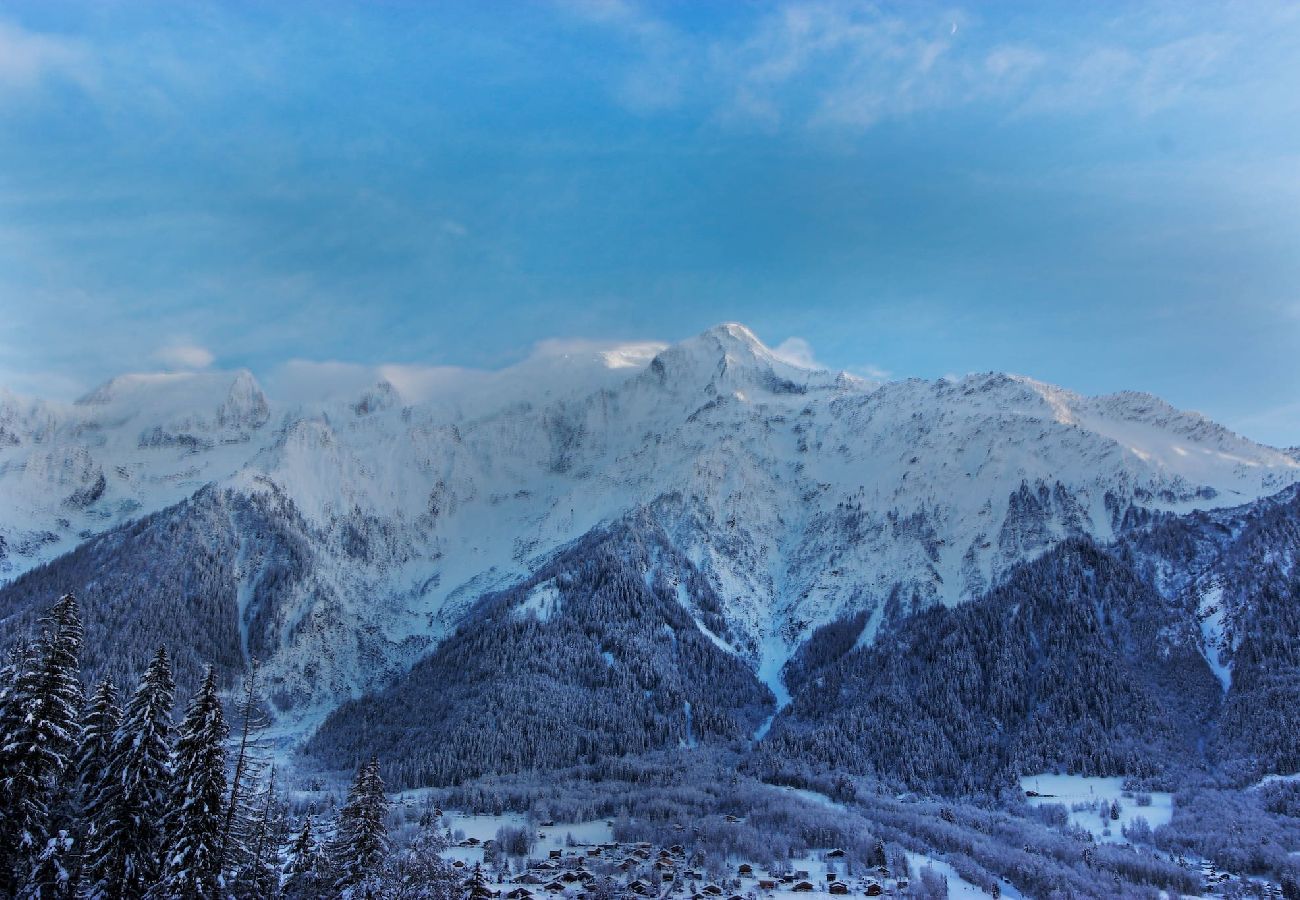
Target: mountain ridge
{"x": 800, "y": 495}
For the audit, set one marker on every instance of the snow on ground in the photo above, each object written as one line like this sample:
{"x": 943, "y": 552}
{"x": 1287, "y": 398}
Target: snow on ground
{"x": 775, "y": 653}
{"x": 1211, "y": 614}
{"x": 958, "y": 888}
{"x": 1078, "y": 790}
{"x": 542, "y": 602}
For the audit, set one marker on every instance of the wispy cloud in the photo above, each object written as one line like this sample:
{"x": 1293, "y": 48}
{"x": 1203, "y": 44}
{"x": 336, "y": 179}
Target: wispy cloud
{"x": 27, "y": 58}
{"x": 797, "y": 352}
{"x": 856, "y": 64}
{"x": 871, "y": 370}
{"x": 184, "y": 355}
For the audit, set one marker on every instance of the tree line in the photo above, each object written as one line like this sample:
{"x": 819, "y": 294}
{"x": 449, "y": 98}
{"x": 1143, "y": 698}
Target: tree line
{"x": 109, "y": 801}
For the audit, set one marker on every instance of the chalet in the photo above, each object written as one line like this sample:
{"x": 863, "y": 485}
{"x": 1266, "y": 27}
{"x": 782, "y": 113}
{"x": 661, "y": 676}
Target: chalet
{"x": 837, "y": 853}
{"x": 593, "y": 851}
{"x": 529, "y": 878}
{"x": 556, "y": 887}
{"x": 831, "y": 876}
{"x": 677, "y": 849}
{"x": 691, "y": 874}
{"x": 665, "y": 865}
{"x": 458, "y": 864}
{"x": 800, "y": 873}
{"x": 713, "y": 890}
{"x": 556, "y": 854}
{"x": 746, "y": 869}
{"x": 664, "y": 854}
{"x": 838, "y": 887}
{"x": 638, "y": 887}
{"x": 667, "y": 875}
{"x": 549, "y": 823}
{"x": 803, "y": 887}
{"x": 519, "y": 893}
{"x": 570, "y": 877}
{"x": 730, "y": 818}
{"x": 874, "y": 890}
{"x": 735, "y": 897}
{"x": 629, "y": 862}
{"x": 767, "y": 884}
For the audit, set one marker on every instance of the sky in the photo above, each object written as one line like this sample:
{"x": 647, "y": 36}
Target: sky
{"x": 1102, "y": 195}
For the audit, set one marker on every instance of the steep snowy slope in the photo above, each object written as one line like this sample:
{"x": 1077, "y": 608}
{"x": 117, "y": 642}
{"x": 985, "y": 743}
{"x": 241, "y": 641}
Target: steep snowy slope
{"x": 798, "y": 494}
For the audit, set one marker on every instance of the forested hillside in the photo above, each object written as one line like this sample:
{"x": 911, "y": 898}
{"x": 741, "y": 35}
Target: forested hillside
{"x": 613, "y": 648}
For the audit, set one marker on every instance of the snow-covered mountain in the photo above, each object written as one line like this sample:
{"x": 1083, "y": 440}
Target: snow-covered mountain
{"x": 799, "y": 494}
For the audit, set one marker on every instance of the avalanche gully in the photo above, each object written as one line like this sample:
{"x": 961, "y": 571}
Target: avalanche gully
{"x": 340, "y": 536}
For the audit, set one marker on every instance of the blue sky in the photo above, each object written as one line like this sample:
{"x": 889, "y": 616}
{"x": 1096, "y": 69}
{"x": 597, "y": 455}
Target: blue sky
{"x": 1102, "y": 195}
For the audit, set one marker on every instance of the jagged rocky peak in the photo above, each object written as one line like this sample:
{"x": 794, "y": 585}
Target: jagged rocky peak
{"x": 380, "y": 397}
{"x": 245, "y": 406}
{"x": 729, "y": 359}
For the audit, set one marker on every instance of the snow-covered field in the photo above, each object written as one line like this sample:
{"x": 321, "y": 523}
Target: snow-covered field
{"x": 958, "y": 889}
{"x": 1083, "y": 792}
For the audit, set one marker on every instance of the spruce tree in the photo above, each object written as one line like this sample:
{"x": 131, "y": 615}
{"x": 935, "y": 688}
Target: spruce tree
{"x": 129, "y": 802}
{"x": 304, "y": 867}
{"x": 54, "y": 870}
{"x": 98, "y": 725}
{"x": 240, "y": 812}
{"x": 361, "y": 840}
{"x": 192, "y": 828}
{"x": 419, "y": 870}
{"x": 264, "y": 836}
{"x": 38, "y": 732}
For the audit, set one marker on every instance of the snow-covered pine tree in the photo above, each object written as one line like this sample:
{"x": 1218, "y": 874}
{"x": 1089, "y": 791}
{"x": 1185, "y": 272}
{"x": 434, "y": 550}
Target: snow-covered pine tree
{"x": 38, "y": 732}
{"x": 476, "y": 887}
{"x": 240, "y": 810}
{"x": 361, "y": 840}
{"x": 99, "y": 723}
{"x": 303, "y": 875}
{"x": 418, "y": 871}
{"x": 54, "y": 870}
{"x": 192, "y": 827}
{"x": 264, "y": 835}
{"x": 129, "y": 802}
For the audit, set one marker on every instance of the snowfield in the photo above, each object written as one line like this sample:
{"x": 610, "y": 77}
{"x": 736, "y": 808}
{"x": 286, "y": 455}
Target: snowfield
{"x": 1084, "y": 797}
{"x": 801, "y": 495}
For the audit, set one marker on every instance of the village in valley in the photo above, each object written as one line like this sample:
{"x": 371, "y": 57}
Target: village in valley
{"x": 585, "y": 861}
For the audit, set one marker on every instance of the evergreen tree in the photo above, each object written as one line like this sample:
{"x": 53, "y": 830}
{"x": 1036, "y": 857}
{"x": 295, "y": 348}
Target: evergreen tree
{"x": 99, "y": 722}
{"x": 129, "y": 802}
{"x": 361, "y": 841}
{"x": 240, "y": 813}
{"x": 53, "y": 875}
{"x": 192, "y": 827}
{"x": 304, "y": 867}
{"x": 38, "y": 731}
{"x": 418, "y": 871}
{"x": 98, "y": 725}
{"x": 259, "y": 874}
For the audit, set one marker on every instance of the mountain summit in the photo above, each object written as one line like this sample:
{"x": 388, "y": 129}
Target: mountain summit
{"x": 357, "y": 531}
